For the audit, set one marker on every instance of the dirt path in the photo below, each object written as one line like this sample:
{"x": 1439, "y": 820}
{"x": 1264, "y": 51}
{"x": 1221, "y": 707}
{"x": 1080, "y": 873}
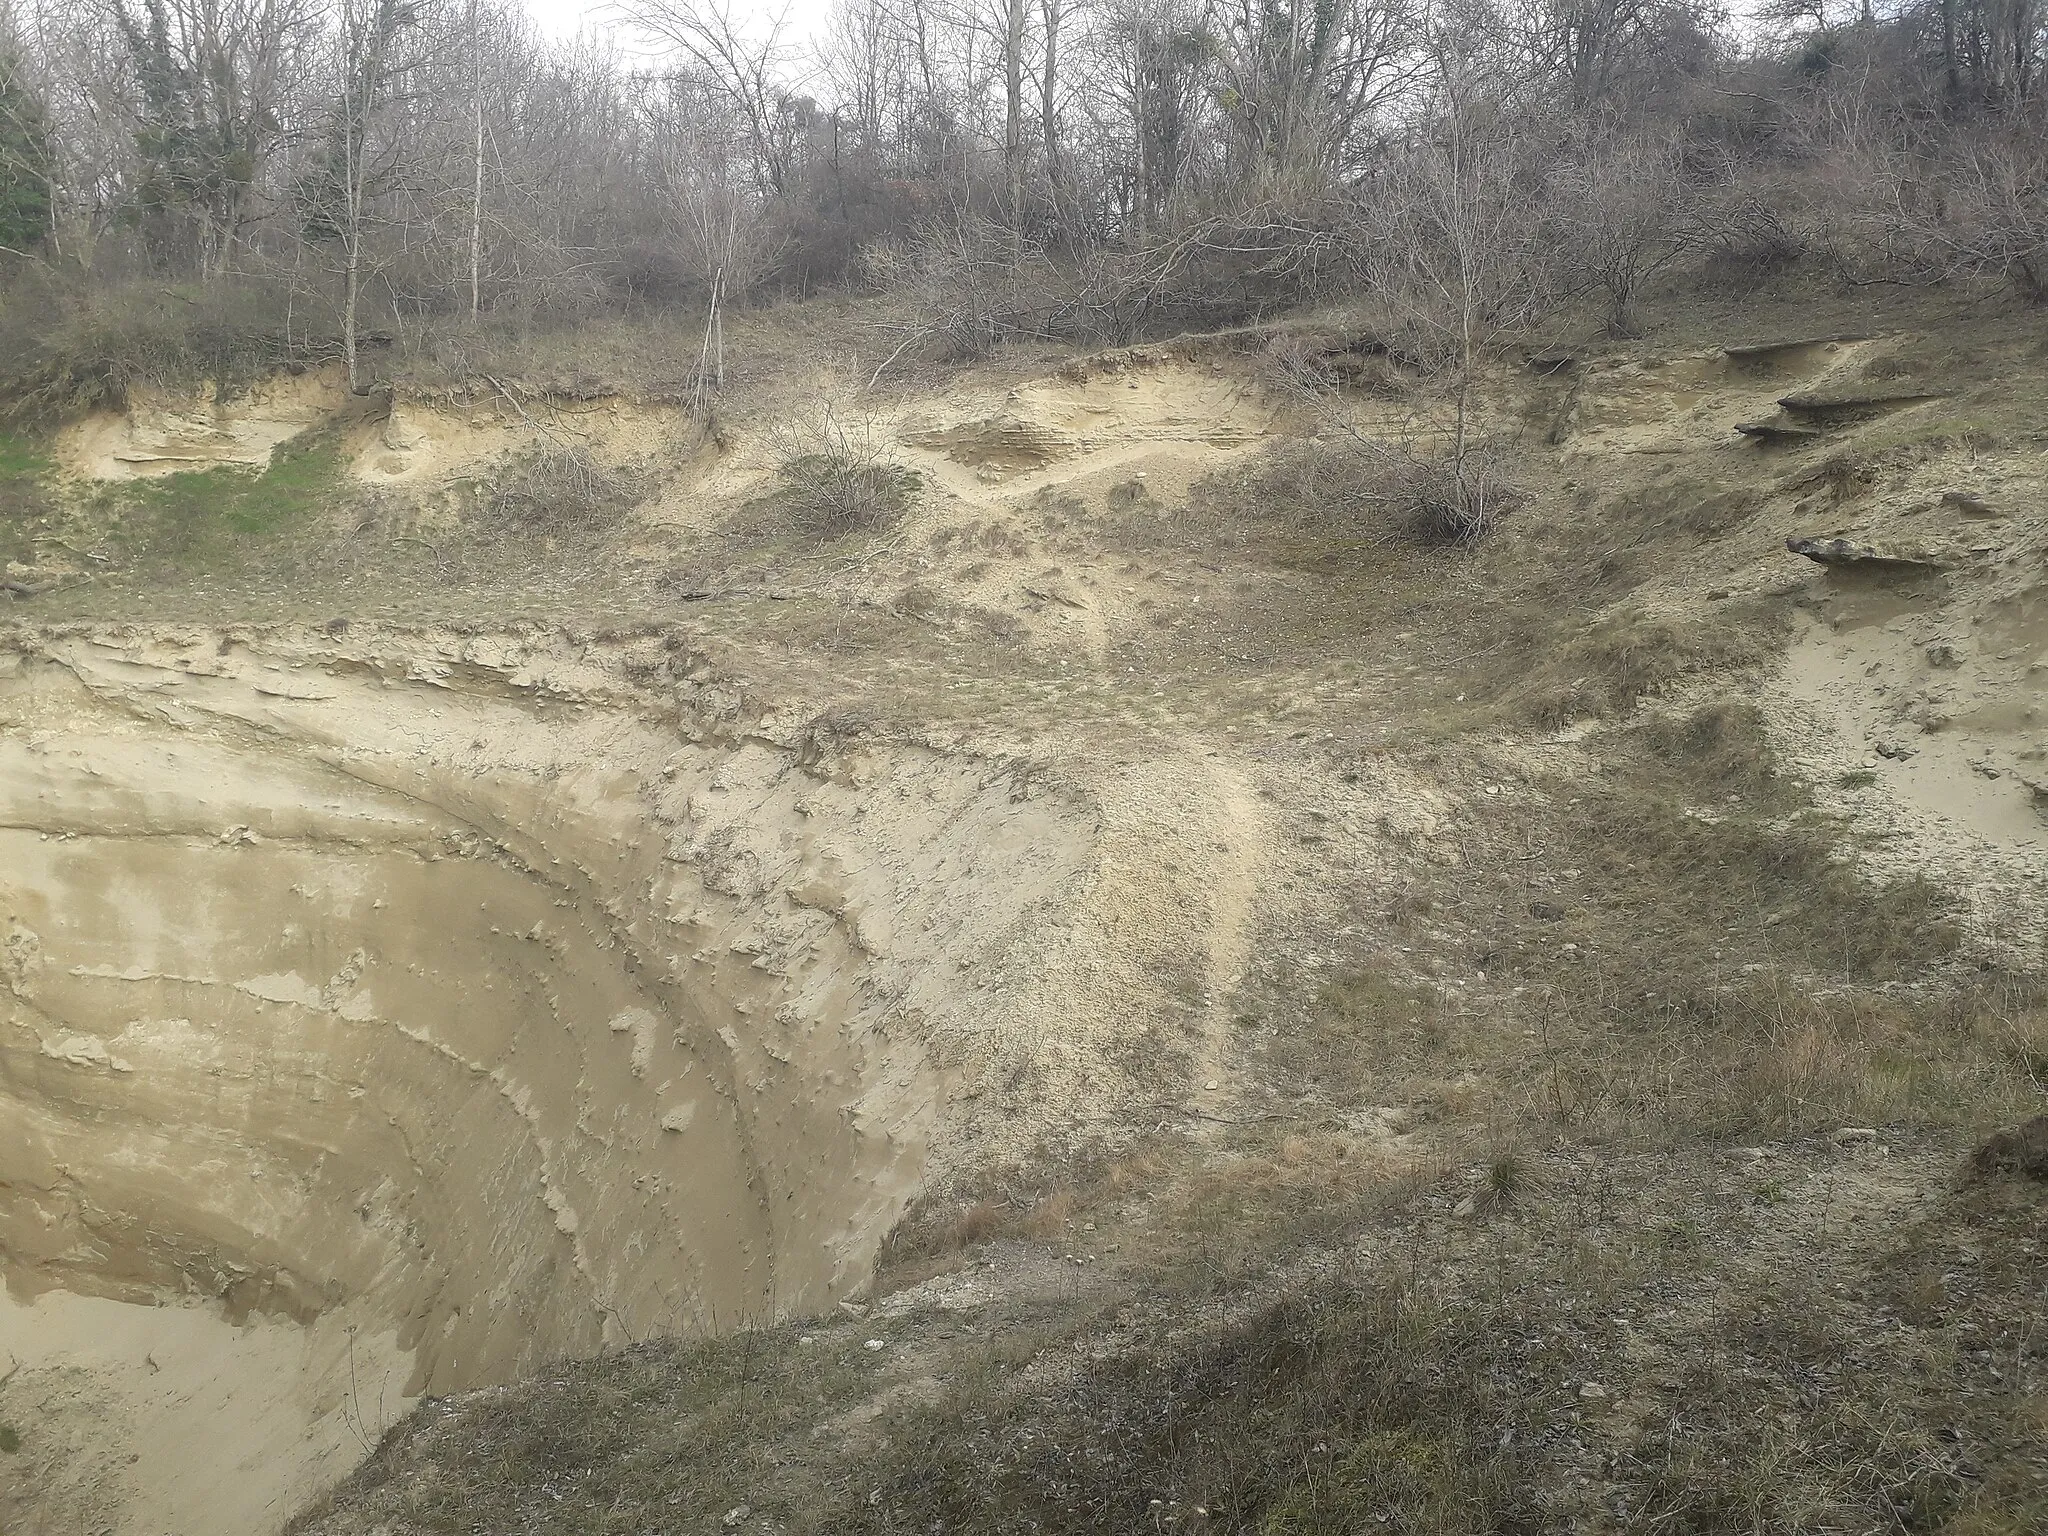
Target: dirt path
{"x": 1238, "y": 820}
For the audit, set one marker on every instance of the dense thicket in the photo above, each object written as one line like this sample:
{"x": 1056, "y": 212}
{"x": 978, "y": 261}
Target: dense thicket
{"x": 1082, "y": 167}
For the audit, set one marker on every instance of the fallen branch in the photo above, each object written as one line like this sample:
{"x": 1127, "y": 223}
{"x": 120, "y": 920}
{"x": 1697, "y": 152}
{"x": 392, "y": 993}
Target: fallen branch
{"x": 407, "y": 538}
{"x": 1052, "y": 595}
{"x": 74, "y": 550}
{"x": 910, "y": 341}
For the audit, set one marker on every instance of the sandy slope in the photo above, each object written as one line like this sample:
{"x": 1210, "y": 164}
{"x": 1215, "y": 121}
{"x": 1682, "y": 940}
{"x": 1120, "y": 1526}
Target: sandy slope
{"x": 172, "y": 1418}
{"x": 510, "y": 992}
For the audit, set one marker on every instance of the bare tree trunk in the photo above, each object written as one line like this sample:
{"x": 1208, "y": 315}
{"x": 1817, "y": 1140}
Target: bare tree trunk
{"x": 476, "y": 201}
{"x": 1141, "y": 190}
{"x": 366, "y": 28}
{"x": 1048, "y": 88}
{"x": 711, "y": 355}
{"x": 1468, "y": 241}
{"x": 741, "y": 66}
{"x": 1013, "y": 92}
{"x": 352, "y": 286}
{"x": 353, "y": 157}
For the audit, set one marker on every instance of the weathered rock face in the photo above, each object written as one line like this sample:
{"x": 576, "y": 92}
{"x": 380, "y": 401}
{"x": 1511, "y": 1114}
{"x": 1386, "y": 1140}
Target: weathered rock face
{"x": 459, "y": 985}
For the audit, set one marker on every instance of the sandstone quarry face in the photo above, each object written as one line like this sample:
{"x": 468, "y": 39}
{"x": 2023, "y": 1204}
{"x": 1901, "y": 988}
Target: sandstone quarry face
{"x": 459, "y": 988}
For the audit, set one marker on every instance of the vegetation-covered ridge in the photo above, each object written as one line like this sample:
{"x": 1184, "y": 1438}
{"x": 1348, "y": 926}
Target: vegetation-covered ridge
{"x": 192, "y": 190}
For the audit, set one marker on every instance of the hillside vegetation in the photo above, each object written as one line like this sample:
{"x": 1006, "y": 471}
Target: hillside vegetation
{"x": 1173, "y": 625}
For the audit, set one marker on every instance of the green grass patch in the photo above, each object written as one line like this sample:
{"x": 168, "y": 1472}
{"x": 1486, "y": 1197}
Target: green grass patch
{"x": 26, "y": 509}
{"x": 10, "y": 1439}
{"x": 232, "y": 499}
{"x": 222, "y": 518}
{"x": 21, "y": 459}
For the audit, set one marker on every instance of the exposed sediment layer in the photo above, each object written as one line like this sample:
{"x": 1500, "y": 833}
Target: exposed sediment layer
{"x": 540, "y": 1013}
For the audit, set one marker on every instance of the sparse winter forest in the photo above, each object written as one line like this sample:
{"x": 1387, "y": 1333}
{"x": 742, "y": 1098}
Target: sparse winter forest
{"x": 198, "y": 180}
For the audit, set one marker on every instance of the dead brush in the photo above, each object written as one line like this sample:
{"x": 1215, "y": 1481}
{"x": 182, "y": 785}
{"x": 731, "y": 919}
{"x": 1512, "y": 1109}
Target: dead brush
{"x": 557, "y": 486}
{"x": 1440, "y": 498}
{"x": 837, "y": 477}
{"x": 1428, "y": 486}
{"x": 554, "y": 490}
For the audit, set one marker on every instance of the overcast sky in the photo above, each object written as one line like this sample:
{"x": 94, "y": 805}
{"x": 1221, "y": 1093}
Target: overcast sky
{"x": 565, "y": 18}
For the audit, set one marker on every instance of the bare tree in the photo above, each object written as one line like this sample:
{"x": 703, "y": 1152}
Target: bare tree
{"x": 210, "y": 84}
{"x": 1152, "y": 96}
{"x": 476, "y": 204}
{"x": 1299, "y": 77}
{"x": 726, "y": 234}
{"x": 1456, "y": 250}
{"x": 81, "y": 70}
{"x": 1050, "y": 13}
{"x": 377, "y": 45}
{"x": 1582, "y": 43}
{"x": 28, "y": 189}
{"x": 1013, "y": 103}
{"x": 1623, "y": 199}
{"x": 742, "y": 66}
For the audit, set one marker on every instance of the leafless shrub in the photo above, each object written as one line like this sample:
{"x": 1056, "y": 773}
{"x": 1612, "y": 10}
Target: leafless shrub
{"x": 1454, "y": 245}
{"x": 1439, "y": 497}
{"x": 1997, "y": 207}
{"x": 1970, "y": 208}
{"x": 557, "y": 486}
{"x": 69, "y": 344}
{"x": 1432, "y": 485}
{"x": 837, "y": 476}
{"x": 974, "y": 284}
{"x": 1742, "y": 220}
{"x": 1622, "y": 200}
{"x": 555, "y": 490}
{"x": 726, "y": 232}
{"x": 1873, "y": 215}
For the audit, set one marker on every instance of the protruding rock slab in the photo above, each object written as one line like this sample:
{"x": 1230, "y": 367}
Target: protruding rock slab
{"x": 1777, "y": 432}
{"x": 1847, "y": 552}
{"x": 1764, "y": 351}
{"x": 1821, "y": 406}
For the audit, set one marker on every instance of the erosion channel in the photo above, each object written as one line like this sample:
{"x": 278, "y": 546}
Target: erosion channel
{"x": 385, "y": 1019}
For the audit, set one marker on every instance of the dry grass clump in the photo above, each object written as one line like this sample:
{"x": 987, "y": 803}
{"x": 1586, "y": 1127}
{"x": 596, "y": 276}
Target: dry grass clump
{"x": 1596, "y": 1345}
{"x": 1718, "y": 964}
{"x": 1767, "y": 1060}
{"x": 1348, "y": 1406}
{"x": 1673, "y": 872}
{"x": 1585, "y": 1356}
{"x": 1523, "y": 625}
{"x": 1353, "y": 1011}
{"x": 1676, "y": 948}
{"x": 1718, "y": 749}
{"x": 1337, "y": 496}
{"x": 679, "y": 1430}
{"x": 1616, "y": 661}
